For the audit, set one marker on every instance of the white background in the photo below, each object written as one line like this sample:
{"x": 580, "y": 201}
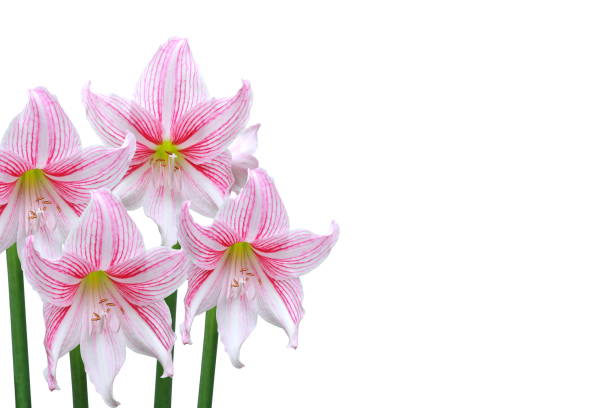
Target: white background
{"x": 465, "y": 149}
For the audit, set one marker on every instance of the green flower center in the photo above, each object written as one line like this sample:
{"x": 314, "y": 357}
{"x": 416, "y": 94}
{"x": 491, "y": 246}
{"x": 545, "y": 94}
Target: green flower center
{"x": 32, "y": 177}
{"x": 240, "y": 249}
{"x": 165, "y": 150}
{"x": 95, "y": 279}
{"x": 241, "y": 254}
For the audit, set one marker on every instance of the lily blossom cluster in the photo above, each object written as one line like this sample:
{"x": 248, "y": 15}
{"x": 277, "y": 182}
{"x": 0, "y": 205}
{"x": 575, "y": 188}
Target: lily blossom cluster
{"x": 170, "y": 150}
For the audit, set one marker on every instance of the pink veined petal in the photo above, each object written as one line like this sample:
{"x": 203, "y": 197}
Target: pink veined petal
{"x": 57, "y": 281}
{"x": 280, "y": 303}
{"x": 93, "y": 168}
{"x": 103, "y": 353}
{"x": 63, "y": 329}
{"x": 171, "y": 83}
{"x": 257, "y": 212}
{"x": 11, "y": 168}
{"x": 132, "y": 189}
{"x": 150, "y": 276}
{"x": 237, "y": 317}
{"x": 242, "y": 150}
{"x": 161, "y": 203}
{"x": 113, "y": 117}
{"x": 148, "y": 331}
{"x": 294, "y": 254}
{"x": 11, "y": 216}
{"x": 245, "y": 144}
{"x": 203, "y": 290}
{"x": 208, "y": 128}
{"x": 106, "y": 235}
{"x": 204, "y": 246}
{"x": 41, "y": 133}
{"x": 207, "y": 184}
{"x": 54, "y": 220}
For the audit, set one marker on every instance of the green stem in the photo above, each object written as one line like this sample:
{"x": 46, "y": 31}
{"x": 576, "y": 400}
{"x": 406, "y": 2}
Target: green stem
{"x": 19, "y": 334}
{"x": 163, "y": 386}
{"x": 209, "y": 360}
{"x": 79, "y": 379}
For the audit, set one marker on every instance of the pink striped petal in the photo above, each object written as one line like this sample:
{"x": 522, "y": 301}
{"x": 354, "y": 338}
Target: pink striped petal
{"x": 171, "y": 83}
{"x": 161, "y": 203}
{"x": 242, "y": 150}
{"x": 63, "y": 330}
{"x": 207, "y": 129}
{"x": 207, "y": 184}
{"x": 203, "y": 289}
{"x": 11, "y": 219}
{"x": 132, "y": 189}
{"x": 55, "y": 218}
{"x": 96, "y": 167}
{"x": 55, "y": 280}
{"x": 12, "y": 166}
{"x": 258, "y": 211}
{"x": 103, "y": 353}
{"x": 41, "y": 133}
{"x": 113, "y": 117}
{"x": 280, "y": 302}
{"x": 294, "y": 254}
{"x": 150, "y": 276}
{"x": 106, "y": 235}
{"x": 204, "y": 246}
{"x": 148, "y": 331}
{"x": 237, "y": 317}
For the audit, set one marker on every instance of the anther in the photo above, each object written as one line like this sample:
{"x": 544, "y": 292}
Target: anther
{"x": 103, "y": 300}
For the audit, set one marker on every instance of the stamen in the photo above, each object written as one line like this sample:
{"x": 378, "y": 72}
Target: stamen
{"x": 103, "y": 300}
{"x": 111, "y": 304}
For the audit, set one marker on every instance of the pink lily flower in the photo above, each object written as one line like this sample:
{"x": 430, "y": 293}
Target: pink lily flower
{"x": 243, "y": 150}
{"x": 248, "y": 262}
{"x": 46, "y": 176}
{"x": 181, "y": 137}
{"x": 106, "y": 292}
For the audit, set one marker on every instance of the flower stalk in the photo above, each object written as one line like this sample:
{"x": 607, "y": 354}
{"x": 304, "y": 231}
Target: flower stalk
{"x": 79, "y": 379}
{"x": 163, "y": 386}
{"x": 209, "y": 360}
{"x": 19, "y": 335}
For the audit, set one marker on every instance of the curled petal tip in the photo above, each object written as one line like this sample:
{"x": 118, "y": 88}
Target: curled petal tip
{"x": 185, "y": 334}
{"x": 51, "y": 381}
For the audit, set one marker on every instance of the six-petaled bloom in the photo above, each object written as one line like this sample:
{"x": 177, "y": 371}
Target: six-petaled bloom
{"x": 46, "y": 176}
{"x": 182, "y": 137}
{"x": 105, "y": 292}
{"x": 249, "y": 262}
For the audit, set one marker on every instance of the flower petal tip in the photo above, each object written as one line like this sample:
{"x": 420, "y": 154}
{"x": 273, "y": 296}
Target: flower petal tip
{"x": 51, "y": 380}
{"x": 186, "y": 334}
{"x": 237, "y": 364}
